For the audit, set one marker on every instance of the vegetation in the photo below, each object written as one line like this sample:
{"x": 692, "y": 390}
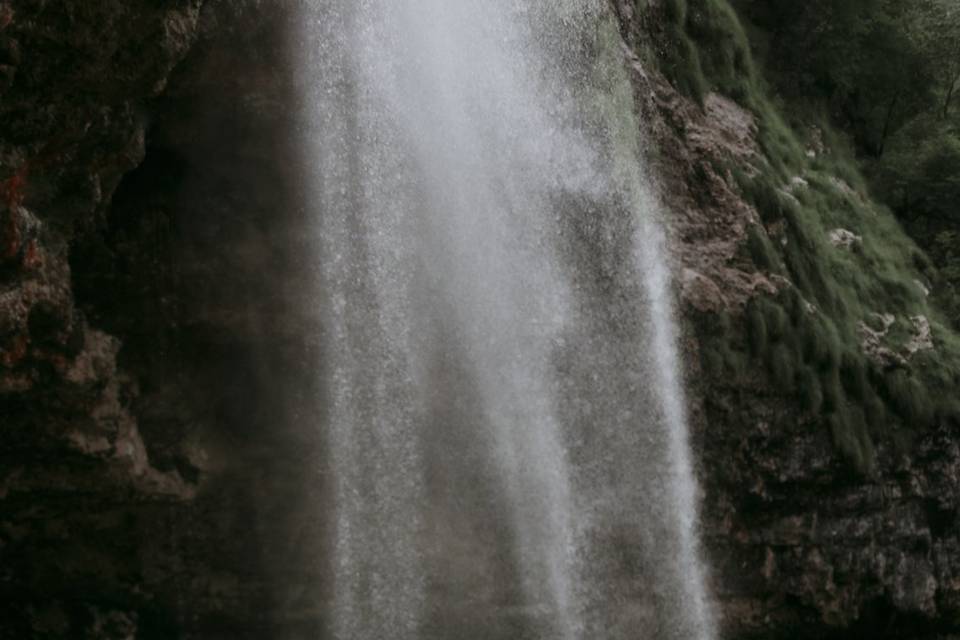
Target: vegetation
{"x": 855, "y": 104}
{"x": 887, "y": 72}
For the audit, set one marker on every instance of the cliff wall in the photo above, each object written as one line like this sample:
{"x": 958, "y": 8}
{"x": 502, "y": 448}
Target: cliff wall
{"x": 157, "y": 365}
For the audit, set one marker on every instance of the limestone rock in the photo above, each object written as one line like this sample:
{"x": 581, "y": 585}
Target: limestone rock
{"x": 845, "y": 239}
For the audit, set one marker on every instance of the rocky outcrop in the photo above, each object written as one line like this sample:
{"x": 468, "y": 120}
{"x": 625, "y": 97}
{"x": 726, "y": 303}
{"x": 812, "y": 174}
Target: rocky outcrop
{"x": 155, "y": 376}
{"x": 802, "y": 545}
{"x": 73, "y": 80}
{"x": 149, "y": 484}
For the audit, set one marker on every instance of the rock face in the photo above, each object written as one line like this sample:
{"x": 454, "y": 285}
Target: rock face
{"x": 156, "y": 365}
{"x": 802, "y": 546}
{"x": 150, "y": 486}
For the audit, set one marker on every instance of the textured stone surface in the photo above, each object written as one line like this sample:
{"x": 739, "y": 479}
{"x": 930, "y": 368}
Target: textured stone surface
{"x": 150, "y": 483}
{"x": 156, "y": 370}
{"x": 802, "y": 546}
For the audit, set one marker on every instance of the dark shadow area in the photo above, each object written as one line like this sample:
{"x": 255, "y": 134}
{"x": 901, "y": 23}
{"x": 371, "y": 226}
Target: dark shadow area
{"x": 202, "y": 268}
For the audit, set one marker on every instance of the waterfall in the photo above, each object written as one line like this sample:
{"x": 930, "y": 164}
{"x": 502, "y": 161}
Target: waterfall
{"x": 508, "y": 452}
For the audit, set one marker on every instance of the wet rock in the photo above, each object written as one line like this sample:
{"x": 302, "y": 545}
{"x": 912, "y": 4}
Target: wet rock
{"x": 147, "y": 464}
{"x": 150, "y": 482}
{"x": 801, "y": 547}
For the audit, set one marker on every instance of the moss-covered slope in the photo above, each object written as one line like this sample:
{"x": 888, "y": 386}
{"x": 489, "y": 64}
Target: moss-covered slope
{"x": 823, "y": 370}
{"x": 851, "y": 331}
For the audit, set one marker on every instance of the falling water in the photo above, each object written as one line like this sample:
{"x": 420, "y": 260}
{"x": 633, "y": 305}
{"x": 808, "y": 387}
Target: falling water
{"x": 508, "y": 451}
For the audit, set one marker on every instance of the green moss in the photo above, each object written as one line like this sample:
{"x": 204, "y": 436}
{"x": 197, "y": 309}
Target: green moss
{"x": 726, "y": 59}
{"x": 682, "y": 62}
{"x": 851, "y": 437}
{"x": 720, "y": 356}
{"x": 761, "y": 250}
{"x": 757, "y": 330}
{"x": 779, "y": 144}
{"x": 782, "y": 363}
{"x": 907, "y": 397}
{"x": 853, "y": 375}
{"x": 763, "y": 194}
{"x": 675, "y": 11}
{"x": 810, "y": 391}
{"x": 875, "y": 414}
{"x": 815, "y": 352}
{"x": 793, "y": 303}
{"x": 820, "y": 340}
{"x": 705, "y": 48}
{"x": 922, "y": 262}
{"x": 833, "y": 396}
{"x": 777, "y": 321}
{"x": 805, "y": 265}
{"x": 948, "y": 410}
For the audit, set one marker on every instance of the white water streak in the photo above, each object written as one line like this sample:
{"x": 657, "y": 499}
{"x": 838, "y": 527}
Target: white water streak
{"x": 465, "y": 185}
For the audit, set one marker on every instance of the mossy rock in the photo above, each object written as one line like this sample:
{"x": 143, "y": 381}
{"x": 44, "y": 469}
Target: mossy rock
{"x": 820, "y": 341}
{"x": 761, "y": 250}
{"x": 806, "y": 337}
{"x": 783, "y": 367}
{"x": 776, "y": 318}
{"x": 908, "y": 398}
{"x": 809, "y": 390}
{"x": 757, "y": 329}
{"x": 834, "y": 398}
{"x": 851, "y": 437}
{"x": 853, "y": 375}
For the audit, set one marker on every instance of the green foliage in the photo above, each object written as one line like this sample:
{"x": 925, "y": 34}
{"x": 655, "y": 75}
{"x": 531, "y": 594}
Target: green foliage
{"x": 764, "y": 195}
{"x": 821, "y": 343}
{"x": 908, "y": 397}
{"x": 862, "y": 56}
{"x": 833, "y": 396}
{"x": 761, "y": 250}
{"x": 875, "y": 414}
{"x": 757, "y": 330}
{"x": 853, "y": 375}
{"x": 721, "y": 356}
{"x": 726, "y": 59}
{"x": 851, "y": 436}
{"x": 783, "y": 368}
{"x": 811, "y": 393}
{"x": 706, "y": 49}
{"x": 778, "y": 324}
{"x": 675, "y": 11}
{"x": 888, "y": 72}
{"x": 858, "y": 64}
{"x": 920, "y": 177}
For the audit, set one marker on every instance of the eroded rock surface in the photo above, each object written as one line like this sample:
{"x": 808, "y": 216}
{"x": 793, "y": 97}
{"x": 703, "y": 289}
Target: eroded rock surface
{"x": 150, "y": 482}
{"x": 155, "y": 375}
{"x": 801, "y": 545}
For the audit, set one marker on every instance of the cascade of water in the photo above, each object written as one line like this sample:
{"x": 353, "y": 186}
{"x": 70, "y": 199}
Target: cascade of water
{"x": 508, "y": 446}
